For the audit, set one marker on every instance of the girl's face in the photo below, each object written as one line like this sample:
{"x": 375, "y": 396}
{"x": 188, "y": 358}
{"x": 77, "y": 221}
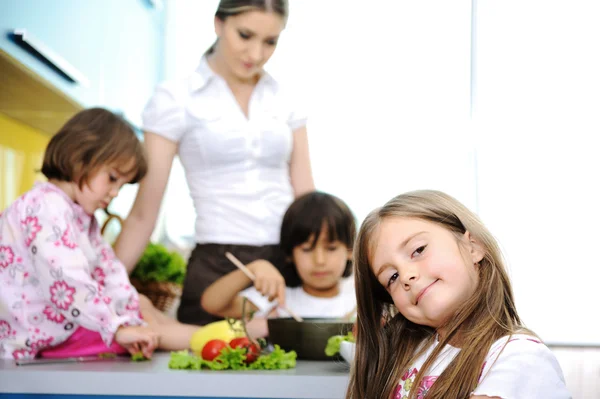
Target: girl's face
{"x": 428, "y": 272}
{"x": 247, "y": 41}
{"x": 321, "y": 267}
{"x": 100, "y": 189}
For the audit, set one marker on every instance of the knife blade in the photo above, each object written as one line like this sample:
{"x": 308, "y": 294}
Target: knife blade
{"x": 79, "y": 359}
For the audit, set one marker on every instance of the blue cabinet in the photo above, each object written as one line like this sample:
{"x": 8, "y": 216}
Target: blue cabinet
{"x": 112, "y": 47}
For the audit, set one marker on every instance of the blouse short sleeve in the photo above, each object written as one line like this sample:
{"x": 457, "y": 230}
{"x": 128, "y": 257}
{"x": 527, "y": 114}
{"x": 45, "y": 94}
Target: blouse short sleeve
{"x": 524, "y": 369}
{"x": 298, "y": 114}
{"x": 297, "y": 119}
{"x": 165, "y": 113}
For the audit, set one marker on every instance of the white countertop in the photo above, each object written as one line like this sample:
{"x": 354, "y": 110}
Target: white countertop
{"x": 310, "y": 379}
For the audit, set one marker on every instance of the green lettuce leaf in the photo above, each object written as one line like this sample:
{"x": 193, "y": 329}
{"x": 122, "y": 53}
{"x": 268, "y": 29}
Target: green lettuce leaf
{"x": 334, "y": 342}
{"x": 234, "y": 359}
{"x": 138, "y": 357}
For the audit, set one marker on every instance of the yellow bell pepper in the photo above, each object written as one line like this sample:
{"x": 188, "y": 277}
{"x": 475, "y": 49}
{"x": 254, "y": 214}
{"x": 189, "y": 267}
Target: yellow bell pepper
{"x": 222, "y": 330}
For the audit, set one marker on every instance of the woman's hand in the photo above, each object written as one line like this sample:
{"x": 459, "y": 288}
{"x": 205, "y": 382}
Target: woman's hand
{"x": 137, "y": 339}
{"x": 269, "y": 280}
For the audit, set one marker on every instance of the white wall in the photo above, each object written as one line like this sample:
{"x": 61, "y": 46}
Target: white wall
{"x": 537, "y": 117}
{"x": 388, "y": 85}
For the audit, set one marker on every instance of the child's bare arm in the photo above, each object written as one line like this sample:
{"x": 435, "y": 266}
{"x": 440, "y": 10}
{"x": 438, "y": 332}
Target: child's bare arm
{"x": 222, "y": 297}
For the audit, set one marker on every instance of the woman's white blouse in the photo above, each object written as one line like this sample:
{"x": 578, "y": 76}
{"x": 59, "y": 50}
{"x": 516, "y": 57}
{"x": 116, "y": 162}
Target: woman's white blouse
{"x": 237, "y": 167}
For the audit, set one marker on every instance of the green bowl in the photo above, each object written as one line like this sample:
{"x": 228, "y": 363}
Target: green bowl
{"x": 307, "y": 338}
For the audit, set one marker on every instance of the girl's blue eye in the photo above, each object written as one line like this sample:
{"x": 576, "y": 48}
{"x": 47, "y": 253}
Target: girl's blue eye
{"x": 392, "y": 279}
{"x": 419, "y": 250}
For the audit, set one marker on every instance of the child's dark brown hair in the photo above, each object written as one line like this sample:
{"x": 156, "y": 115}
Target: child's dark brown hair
{"x": 305, "y": 218}
{"x": 92, "y": 138}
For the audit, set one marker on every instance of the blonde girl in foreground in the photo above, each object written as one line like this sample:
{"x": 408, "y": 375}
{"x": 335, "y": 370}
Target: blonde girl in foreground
{"x": 430, "y": 269}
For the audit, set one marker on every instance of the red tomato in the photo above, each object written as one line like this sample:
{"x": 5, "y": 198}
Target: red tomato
{"x": 241, "y": 342}
{"x": 252, "y": 351}
{"x": 213, "y": 348}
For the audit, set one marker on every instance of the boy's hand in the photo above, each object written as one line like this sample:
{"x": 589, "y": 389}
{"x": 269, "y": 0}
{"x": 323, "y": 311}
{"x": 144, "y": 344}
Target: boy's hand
{"x": 269, "y": 281}
{"x": 137, "y": 339}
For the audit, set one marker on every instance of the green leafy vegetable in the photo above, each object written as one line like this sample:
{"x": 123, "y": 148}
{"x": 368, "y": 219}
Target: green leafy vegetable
{"x": 234, "y": 359}
{"x": 159, "y": 264}
{"x": 276, "y": 360}
{"x": 333, "y": 343}
{"x": 138, "y": 357}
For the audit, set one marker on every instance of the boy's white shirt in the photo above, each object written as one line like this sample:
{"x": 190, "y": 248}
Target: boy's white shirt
{"x": 306, "y": 305}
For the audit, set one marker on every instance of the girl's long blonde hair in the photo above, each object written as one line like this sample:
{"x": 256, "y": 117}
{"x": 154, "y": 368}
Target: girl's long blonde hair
{"x": 387, "y": 343}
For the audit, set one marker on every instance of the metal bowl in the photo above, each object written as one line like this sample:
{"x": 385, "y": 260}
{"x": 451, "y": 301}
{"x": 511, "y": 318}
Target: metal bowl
{"x": 307, "y": 338}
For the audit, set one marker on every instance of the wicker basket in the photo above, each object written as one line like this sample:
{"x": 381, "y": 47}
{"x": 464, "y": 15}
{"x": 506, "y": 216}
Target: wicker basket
{"x": 164, "y": 294}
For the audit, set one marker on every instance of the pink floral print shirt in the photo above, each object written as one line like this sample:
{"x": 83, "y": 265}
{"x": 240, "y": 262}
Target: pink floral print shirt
{"x": 57, "y": 273}
{"x": 516, "y": 367}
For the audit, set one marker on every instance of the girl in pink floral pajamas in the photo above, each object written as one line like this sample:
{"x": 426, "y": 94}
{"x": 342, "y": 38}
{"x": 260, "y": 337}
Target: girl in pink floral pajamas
{"x": 62, "y": 291}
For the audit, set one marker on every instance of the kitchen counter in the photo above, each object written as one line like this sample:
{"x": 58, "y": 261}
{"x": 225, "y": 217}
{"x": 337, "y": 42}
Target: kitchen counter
{"x": 310, "y": 379}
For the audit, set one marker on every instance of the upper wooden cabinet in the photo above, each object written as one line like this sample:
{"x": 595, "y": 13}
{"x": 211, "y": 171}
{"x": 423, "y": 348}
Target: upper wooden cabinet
{"x": 96, "y": 52}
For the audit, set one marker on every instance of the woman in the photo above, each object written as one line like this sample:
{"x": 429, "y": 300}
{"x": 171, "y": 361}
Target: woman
{"x": 243, "y": 146}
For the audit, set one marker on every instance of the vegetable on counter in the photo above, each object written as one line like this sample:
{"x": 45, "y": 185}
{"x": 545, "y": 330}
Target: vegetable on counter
{"x": 213, "y": 348}
{"x": 138, "y": 357}
{"x": 333, "y": 343}
{"x": 252, "y": 351}
{"x": 234, "y": 359}
{"x": 224, "y": 330}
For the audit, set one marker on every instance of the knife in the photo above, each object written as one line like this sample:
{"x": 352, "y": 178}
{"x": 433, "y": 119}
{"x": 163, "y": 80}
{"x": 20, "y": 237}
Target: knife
{"x": 80, "y": 359}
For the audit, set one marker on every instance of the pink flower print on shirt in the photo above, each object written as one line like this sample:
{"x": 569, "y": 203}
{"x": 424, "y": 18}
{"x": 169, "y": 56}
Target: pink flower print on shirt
{"x": 23, "y": 354}
{"x": 425, "y": 385}
{"x": 80, "y": 224}
{"x": 41, "y": 343}
{"x": 133, "y": 304}
{"x": 7, "y": 256}
{"x": 5, "y": 329}
{"x": 409, "y": 374}
{"x": 53, "y": 314}
{"x": 107, "y": 255}
{"x": 397, "y": 392}
{"x": 61, "y": 295}
{"x": 101, "y": 298}
{"x": 98, "y": 275}
{"x": 67, "y": 239}
{"x": 30, "y": 228}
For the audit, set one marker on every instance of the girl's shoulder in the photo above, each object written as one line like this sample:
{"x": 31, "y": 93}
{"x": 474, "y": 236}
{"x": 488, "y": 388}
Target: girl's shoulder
{"x": 520, "y": 365}
{"x": 520, "y": 343}
{"x": 519, "y": 339}
{"x": 42, "y": 197}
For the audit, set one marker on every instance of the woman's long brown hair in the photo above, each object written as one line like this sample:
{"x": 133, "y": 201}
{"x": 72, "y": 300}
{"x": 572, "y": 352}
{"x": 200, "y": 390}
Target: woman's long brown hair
{"x": 387, "y": 343}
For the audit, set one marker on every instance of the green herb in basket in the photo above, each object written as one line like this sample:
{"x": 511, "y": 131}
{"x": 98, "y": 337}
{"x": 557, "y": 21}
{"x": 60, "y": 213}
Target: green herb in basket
{"x": 161, "y": 265}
